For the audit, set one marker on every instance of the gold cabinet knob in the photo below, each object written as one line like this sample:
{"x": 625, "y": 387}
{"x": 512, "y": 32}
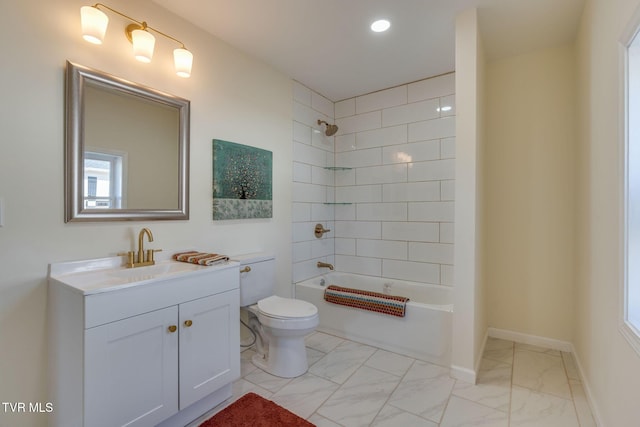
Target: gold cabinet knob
{"x": 172, "y": 328}
{"x": 246, "y": 269}
{"x": 188, "y": 323}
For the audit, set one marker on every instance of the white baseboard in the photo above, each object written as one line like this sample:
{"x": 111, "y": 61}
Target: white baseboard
{"x": 587, "y": 390}
{"x": 482, "y": 348}
{"x": 463, "y": 374}
{"x": 468, "y": 375}
{"x": 531, "y": 339}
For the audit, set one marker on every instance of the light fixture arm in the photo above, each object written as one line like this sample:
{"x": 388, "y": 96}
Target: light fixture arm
{"x": 141, "y": 25}
{"x": 166, "y": 35}
{"x": 94, "y": 26}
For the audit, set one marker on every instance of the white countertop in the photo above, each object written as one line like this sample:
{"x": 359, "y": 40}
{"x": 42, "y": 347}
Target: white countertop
{"x": 108, "y": 274}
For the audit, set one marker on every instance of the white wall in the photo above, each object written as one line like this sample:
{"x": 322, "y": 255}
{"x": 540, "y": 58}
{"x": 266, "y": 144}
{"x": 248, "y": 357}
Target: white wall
{"x": 469, "y": 318}
{"x": 312, "y": 182}
{"x": 233, "y": 97}
{"x": 611, "y": 367}
{"x": 530, "y": 193}
{"x": 399, "y": 148}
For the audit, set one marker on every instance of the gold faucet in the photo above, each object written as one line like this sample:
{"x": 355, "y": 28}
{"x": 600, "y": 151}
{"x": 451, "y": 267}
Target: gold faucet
{"x": 141, "y": 244}
{"x": 325, "y": 264}
{"x": 141, "y": 260}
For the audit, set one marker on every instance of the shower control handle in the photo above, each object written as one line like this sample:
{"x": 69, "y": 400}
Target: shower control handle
{"x": 320, "y": 230}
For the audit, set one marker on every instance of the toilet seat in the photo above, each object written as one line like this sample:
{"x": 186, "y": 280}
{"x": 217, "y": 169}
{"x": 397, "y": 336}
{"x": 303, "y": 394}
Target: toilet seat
{"x": 285, "y": 315}
{"x": 277, "y": 307}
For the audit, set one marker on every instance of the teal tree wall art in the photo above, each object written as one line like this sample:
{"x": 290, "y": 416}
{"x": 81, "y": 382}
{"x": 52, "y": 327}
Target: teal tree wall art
{"x": 242, "y": 181}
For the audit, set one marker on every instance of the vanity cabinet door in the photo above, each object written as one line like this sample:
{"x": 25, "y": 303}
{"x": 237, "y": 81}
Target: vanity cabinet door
{"x": 131, "y": 375}
{"x": 209, "y": 345}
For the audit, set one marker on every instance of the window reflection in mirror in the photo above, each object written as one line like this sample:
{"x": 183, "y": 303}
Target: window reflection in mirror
{"x": 103, "y": 180}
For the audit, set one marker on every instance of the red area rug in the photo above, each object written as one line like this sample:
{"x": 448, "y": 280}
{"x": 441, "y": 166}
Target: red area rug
{"x": 252, "y": 410}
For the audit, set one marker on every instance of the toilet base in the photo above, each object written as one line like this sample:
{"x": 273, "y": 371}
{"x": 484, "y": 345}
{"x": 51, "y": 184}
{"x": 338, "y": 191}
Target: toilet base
{"x": 280, "y": 348}
{"x": 286, "y": 357}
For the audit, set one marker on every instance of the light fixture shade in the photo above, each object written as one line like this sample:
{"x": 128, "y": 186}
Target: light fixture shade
{"x": 182, "y": 59}
{"x": 143, "y": 43}
{"x": 94, "y": 24}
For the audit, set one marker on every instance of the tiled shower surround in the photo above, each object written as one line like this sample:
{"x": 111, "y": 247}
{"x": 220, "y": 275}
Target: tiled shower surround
{"x": 384, "y": 184}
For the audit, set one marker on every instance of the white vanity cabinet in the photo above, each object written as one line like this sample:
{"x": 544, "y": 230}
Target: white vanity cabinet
{"x": 157, "y": 351}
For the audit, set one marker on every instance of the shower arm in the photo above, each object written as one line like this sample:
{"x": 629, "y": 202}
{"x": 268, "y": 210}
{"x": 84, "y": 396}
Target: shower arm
{"x": 330, "y": 130}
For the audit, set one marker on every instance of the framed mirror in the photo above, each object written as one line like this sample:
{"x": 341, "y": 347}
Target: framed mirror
{"x": 126, "y": 150}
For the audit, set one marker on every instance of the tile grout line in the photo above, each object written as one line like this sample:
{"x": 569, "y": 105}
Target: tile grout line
{"x": 444, "y": 411}
{"x": 360, "y": 366}
{"x": 394, "y": 389}
{"x": 329, "y": 379}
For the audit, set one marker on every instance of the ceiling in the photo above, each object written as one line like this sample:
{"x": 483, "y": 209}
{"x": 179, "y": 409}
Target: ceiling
{"x": 327, "y": 45}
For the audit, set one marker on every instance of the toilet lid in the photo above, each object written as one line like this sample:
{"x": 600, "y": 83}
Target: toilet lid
{"x": 276, "y": 306}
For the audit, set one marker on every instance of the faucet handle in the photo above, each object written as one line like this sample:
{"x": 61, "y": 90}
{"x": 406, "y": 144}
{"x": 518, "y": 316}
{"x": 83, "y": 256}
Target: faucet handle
{"x": 130, "y": 257}
{"x": 150, "y": 253}
{"x": 319, "y": 230}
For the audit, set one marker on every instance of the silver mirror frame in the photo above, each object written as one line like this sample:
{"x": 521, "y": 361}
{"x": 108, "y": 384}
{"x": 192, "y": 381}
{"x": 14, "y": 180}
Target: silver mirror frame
{"x": 76, "y": 77}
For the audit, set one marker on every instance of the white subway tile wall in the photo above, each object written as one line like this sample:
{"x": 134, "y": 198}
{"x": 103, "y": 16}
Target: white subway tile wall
{"x": 313, "y": 182}
{"x": 391, "y": 211}
{"x": 381, "y": 100}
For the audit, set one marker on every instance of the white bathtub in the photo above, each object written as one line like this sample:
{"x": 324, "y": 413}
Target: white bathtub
{"x": 424, "y": 333}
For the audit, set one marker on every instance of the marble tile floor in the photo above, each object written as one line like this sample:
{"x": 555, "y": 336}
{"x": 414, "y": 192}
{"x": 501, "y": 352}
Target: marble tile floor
{"x": 350, "y": 384}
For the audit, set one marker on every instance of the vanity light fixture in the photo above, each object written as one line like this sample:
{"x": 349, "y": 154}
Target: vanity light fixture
{"x": 94, "y": 26}
{"x": 143, "y": 42}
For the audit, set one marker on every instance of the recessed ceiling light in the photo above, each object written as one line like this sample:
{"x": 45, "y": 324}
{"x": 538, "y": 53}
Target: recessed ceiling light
{"x": 380, "y": 25}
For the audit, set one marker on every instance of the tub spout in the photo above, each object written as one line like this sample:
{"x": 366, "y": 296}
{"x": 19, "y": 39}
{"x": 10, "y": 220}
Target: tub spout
{"x": 325, "y": 265}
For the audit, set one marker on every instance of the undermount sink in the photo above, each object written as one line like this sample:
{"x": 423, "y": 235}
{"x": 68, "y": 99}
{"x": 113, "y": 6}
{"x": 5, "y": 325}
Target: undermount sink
{"x": 105, "y": 274}
{"x": 159, "y": 269}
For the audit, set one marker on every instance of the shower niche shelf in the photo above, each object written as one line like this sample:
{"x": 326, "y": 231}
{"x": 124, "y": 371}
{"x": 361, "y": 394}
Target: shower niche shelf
{"x": 337, "y": 168}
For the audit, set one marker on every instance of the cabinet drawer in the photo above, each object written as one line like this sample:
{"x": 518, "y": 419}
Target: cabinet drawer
{"x": 108, "y": 307}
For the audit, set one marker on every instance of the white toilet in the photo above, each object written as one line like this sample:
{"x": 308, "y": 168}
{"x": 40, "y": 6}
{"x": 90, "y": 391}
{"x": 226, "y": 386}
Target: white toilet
{"x": 280, "y": 324}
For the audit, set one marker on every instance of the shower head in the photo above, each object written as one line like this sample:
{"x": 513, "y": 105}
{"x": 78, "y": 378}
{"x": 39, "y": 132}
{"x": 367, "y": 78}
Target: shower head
{"x": 331, "y": 129}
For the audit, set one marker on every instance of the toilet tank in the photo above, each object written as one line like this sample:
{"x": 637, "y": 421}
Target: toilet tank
{"x": 260, "y": 280}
